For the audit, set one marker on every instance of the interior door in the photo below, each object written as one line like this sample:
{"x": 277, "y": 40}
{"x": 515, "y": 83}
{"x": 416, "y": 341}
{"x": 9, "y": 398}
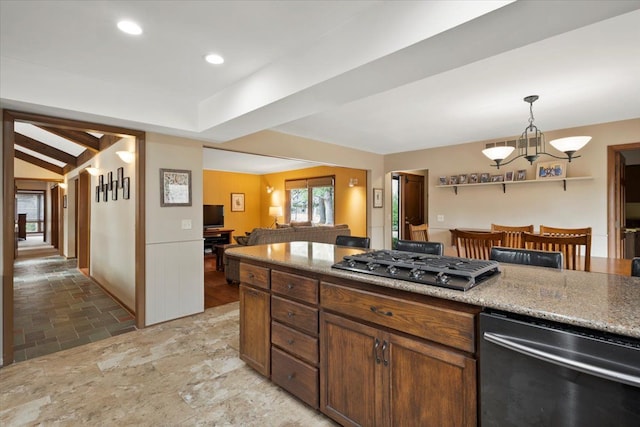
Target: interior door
{"x": 55, "y": 216}
{"x": 621, "y": 221}
{"x": 411, "y": 201}
{"x": 83, "y": 219}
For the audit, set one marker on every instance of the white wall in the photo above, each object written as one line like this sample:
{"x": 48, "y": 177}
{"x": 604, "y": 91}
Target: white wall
{"x": 174, "y": 255}
{"x": 584, "y": 204}
{"x": 69, "y": 220}
{"x": 2, "y": 246}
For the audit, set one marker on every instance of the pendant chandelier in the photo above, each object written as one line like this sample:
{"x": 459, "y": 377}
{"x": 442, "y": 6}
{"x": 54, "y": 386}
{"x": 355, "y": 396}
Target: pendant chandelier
{"x": 531, "y": 144}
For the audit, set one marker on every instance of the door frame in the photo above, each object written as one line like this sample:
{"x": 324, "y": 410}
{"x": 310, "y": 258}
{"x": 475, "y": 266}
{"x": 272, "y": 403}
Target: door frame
{"x": 9, "y": 117}
{"x": 613, "y": 207}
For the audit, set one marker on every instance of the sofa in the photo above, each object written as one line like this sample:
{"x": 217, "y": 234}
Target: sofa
{"x": 281, "y": 234}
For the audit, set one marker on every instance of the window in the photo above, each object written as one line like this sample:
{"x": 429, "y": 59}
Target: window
{"x": 311, "y": 200}
{"x": 32, "y": 204}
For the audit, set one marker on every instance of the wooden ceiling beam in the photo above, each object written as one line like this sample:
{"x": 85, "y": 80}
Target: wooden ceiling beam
{"x": 82, "y": 138}
{"x": 46, "y": 150}
{"x": 37, "y": 162}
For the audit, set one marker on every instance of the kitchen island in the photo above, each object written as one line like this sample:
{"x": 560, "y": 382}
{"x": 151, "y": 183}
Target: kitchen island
{"x": 368, "y": 350}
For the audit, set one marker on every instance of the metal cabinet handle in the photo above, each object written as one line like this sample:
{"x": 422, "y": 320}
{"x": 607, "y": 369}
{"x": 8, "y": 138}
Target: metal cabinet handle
{"x": 289, "y": 286}
{"x": 290, "y": 313}
{"x": 291, "y": 376}
{"x": 379, "y": 311}
{"x": 290, "y": 341}
{"x": 251, "y": 276}
{"x": 375, "y": 350}
{"x": 385, "y": 360}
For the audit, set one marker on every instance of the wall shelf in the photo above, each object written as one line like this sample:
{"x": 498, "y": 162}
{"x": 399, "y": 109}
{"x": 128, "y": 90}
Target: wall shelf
{"x": 528, "y": 181}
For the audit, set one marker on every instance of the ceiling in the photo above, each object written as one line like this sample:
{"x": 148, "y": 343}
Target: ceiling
{"x": 377, "y": 76}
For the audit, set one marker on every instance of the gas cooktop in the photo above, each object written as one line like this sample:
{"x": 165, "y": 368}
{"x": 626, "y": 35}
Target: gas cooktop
{"x": 445, "y": 271}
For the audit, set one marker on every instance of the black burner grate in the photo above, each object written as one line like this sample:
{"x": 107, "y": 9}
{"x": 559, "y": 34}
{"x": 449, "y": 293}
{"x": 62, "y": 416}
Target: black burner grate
{"x": 445, "y": 271}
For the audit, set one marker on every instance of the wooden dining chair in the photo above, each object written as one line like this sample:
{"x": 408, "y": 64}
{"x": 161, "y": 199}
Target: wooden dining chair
{"x": 433, "y": 248}
{"x": 477, "y": 244}
{"x": 570, "y": 246}
{"x": 512, "y": 234}
{"x": 419, "y": 232}
{"x": 635, "y": 267}
{"x": 353, "y": 241}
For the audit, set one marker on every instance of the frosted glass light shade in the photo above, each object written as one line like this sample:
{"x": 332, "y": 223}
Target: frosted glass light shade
{"x": 275, "y": 211}
{"x": 125, "y": 156}
{"x": 498, "y": 153}
{"x": 570, "y": 144}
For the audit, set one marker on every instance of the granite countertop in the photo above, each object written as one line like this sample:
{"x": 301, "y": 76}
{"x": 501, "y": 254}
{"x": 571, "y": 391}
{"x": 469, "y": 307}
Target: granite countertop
{"x": 604, "y": 302}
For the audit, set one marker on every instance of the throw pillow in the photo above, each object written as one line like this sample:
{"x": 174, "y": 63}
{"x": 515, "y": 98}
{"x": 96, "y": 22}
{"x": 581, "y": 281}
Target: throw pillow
{"x": 241, "y": 240}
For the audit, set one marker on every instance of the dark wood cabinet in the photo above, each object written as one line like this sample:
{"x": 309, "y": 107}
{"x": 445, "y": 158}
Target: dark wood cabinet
{"x": 376, "y": 376}
{"x": 364, "y": 355}
{"x": 255, "y": 320}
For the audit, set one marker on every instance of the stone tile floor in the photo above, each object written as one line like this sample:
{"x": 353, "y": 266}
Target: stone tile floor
{"x": 185, "y": 372}
{"x": 56, "y": 307}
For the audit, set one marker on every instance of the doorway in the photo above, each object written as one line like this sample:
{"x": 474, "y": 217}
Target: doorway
{"x": 409, "y": 203}
{"x": 618, "y": 158}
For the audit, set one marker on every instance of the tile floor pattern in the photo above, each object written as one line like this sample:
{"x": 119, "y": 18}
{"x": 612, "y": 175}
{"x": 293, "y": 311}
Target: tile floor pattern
{"x": 185, "y": 372}
{"x": 57, "y": 307}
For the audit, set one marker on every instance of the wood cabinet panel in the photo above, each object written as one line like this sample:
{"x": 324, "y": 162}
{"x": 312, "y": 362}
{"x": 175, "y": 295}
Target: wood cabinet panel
{"x": 439, "y": 324}
{"x": 291, "y": 313}
{"x": 295, "y": 342}
{"x": 295, "y": 376}
{"x": 349, "y": 381}
{"x": 295, "y": 286}
{"x": 254, "y": 275}
{"x": 255, "y": 337}
{"x": 430, "y": 386}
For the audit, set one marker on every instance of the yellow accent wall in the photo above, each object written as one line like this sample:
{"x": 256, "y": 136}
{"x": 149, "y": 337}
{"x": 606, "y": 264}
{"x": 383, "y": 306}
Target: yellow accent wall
{"x": 350, "y": 208}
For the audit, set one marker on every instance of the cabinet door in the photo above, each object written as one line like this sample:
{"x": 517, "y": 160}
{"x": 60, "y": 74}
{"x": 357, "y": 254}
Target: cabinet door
{"x": 350, "y": 379}
{"x": 255, "y": 328}
{"x": 429, "y": 385}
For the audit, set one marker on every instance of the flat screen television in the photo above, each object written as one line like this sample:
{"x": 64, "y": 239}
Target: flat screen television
{"x": 213, "y": 216}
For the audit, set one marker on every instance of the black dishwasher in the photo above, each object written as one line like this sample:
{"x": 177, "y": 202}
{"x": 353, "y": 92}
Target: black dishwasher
{"x": 539, "y": 373}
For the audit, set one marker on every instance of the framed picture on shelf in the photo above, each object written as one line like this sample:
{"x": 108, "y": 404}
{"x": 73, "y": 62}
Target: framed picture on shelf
{"x": 473, "y": 178}
{"x": 443, "y": 180}
{"x": 521, "y": 175}
{"x": 377, "y": 197}
{"x": 453, "y": 180}
{"x": 508, "y": 176}
{"x": 497, "y": 178}
{"x": 175, "y": 187}
{"x": 550, "y": 170}
{"x": 237, "y": 202}
{"x": 484, "y": 177}
{"x": 462, "y": 179}
{"x": 125, "y": 188}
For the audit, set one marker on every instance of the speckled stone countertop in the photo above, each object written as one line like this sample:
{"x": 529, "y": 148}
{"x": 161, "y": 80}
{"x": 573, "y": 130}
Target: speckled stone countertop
{"x": 604, "y": 302}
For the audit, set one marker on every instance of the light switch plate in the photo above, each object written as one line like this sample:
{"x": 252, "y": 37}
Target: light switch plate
{"x": 186, "y": 224}
{"x": 440, "y": 218}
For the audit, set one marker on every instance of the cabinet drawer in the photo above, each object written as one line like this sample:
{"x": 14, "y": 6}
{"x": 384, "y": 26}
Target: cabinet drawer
{"x": 294, "y": 342}
{"x": 294, "y": 286}
{"x": 295, "y": 376}
{"x": 255, "y": 276}
{"x": 291, "y": 313}
{"x": 440, "y": 324}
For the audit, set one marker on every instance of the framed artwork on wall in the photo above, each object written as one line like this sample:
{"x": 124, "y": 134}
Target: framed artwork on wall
{"x": 110, "y": 181}
{"x": 175, "y": 187}
{"x": 98, "y": 193}
{"x": 105, "y": 193}
{"x": 120, "y": 177}
{"x": 237, "y": 202}
{"x": 125, "y": 188}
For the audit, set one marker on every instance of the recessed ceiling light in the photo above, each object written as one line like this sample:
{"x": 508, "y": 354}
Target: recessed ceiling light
{"x": 215, "y": 59}
{"x": 130, "y": 27}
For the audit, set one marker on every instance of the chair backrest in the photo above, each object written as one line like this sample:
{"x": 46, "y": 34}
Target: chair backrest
{"x": 477, "y": 244}
{"x": 635, "y": 267}
{"x": 419, "y": 232}
{"x": 512, "y": 234}
{"x": 570, "y": 246}
{"x": 433, "y": 248}
{"x": 527, "y": 257}
{"x": 354, "y": 241}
